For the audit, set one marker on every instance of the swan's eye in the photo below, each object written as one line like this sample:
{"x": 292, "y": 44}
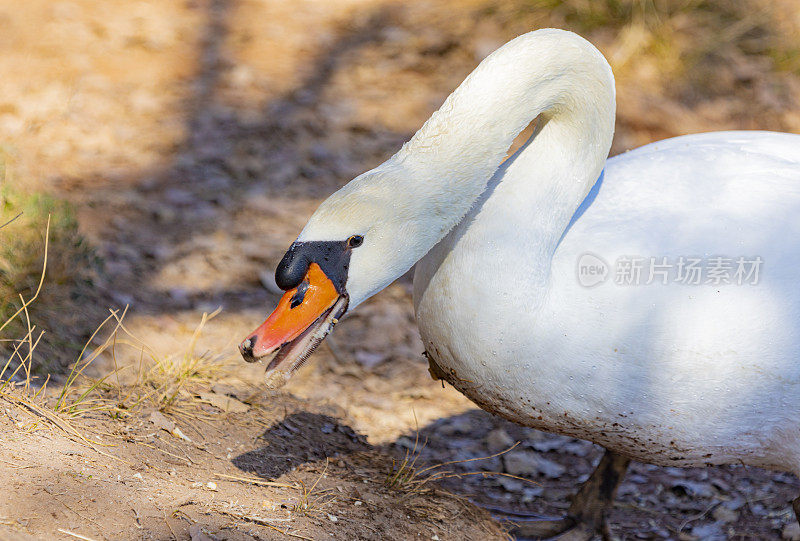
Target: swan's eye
{"x": 355, "y": 241}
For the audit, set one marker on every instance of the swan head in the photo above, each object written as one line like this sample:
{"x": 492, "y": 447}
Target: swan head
{"x": 356, "y": 243}
{"x": 378, "y": 225}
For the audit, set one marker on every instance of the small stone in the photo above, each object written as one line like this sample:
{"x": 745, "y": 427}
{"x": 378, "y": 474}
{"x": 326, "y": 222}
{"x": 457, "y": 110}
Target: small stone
{"x": 577, "y": 448}
{"x": 685, "y": 487}
{"x": 493, "y": 464}
{"x": 709, "y": 532}
{"x": 178, "y": 197}
{"x": 791, "y": 531}
{"x": 179, "y": 434}
{"x": 759, "y": 510}
{"x": 161, "y": 421}
{"x": 333, "y": 518}
{"x": 226, "y": 403}
{"x": 434, "y": 537}
{"x": 520, "y": 462}
{"x": 529, "y": 494}
{"x": 197, "y": 534}
{"x": 734, "y": 504}
{"x": 408, "y": 443}
{"x": 724, "y": 515}
{"x": 358, "y": 503}
{"x": 721, "y": 485}
{"x": 527, "y": 463}
{"x": 547, "y": 445}
{"x": 456, "y": 425}
{"x": 498, "y": 440}
{"x": 138, "y": 476}
{"x": 509, "y": 484}
{"x": 550, "y": 469}
{"x": 369, "y": 360}
{"x": 211, "y": 485}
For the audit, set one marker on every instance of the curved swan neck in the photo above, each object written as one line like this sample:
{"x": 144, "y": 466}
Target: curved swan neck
{"x": 409, "y": 203}
{"x": 552, "y": 73}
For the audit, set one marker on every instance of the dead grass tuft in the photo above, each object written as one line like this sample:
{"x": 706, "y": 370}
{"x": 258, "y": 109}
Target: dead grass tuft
{"x": 65, "y": 304}
{"x": 681, "y": 67}
{"x": 312, "y": 501}
{"x": 16, "y": 386}
{"x": 172, "y": 384}
{"x": 404, "y": 475}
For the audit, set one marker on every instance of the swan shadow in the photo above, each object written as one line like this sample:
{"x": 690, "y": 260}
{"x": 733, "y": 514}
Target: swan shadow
{"x": 648, "y": 495}
{"x": 299, "y": 438}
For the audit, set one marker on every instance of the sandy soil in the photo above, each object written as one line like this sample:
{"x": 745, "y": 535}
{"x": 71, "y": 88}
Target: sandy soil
{"x": 195, "y": 137}
{"x": 282, "y": 468}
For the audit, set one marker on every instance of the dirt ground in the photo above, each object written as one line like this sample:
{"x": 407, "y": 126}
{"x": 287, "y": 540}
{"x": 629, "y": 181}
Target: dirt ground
{"x": 283, "y": 468}
{"x": 195, "y": 137}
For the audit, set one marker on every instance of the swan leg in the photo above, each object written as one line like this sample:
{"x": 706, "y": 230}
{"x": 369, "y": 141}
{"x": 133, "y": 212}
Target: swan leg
{"x": 586, "y": 516}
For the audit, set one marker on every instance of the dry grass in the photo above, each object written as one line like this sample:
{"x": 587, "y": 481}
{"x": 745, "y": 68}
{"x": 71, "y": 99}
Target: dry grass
{"x": 679, "y": 35}
{"x": 697, "y": 65}
{"x": 403, "y": 472}
{"x": 24, "y": 347}
{"x": 311, "y": 500}
{"x": 171, "y": 384}
{"x": 681, "y": 66}
{"x": 16, "y": 385}
{"x": 64, "y": 302}
{"x": 406, "y": 476}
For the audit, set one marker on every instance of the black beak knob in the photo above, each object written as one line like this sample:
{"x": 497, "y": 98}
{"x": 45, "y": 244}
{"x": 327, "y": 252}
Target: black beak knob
{"x": 292, "y": 268}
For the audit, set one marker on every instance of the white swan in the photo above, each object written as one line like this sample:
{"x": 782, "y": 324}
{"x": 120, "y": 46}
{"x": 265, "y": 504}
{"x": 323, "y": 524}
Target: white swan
{"x": 672, "y": 373}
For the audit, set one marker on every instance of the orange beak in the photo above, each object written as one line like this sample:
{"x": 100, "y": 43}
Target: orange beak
{"x": 303, "y": 317}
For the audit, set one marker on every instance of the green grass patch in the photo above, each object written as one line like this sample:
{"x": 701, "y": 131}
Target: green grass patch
{"x": 67, "y": 303}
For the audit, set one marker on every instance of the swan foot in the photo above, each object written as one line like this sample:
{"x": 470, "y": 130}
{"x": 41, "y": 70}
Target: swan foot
{"x": 586, "y": 517}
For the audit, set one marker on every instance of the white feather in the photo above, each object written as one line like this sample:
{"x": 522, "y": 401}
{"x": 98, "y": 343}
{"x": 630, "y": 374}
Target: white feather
{"x": 670, "y": 374}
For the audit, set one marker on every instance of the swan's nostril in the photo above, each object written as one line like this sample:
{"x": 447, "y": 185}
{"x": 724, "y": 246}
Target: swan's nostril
{"x": 298, "y": 297}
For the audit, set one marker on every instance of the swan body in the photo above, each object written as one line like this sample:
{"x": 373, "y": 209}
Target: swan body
{"x": 666, "y": 373}
{"x": 669, "y": 374}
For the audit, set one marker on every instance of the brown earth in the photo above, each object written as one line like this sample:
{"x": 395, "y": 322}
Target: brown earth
{"x": 283, "y": 468}
{"x": 195, "y": 137}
